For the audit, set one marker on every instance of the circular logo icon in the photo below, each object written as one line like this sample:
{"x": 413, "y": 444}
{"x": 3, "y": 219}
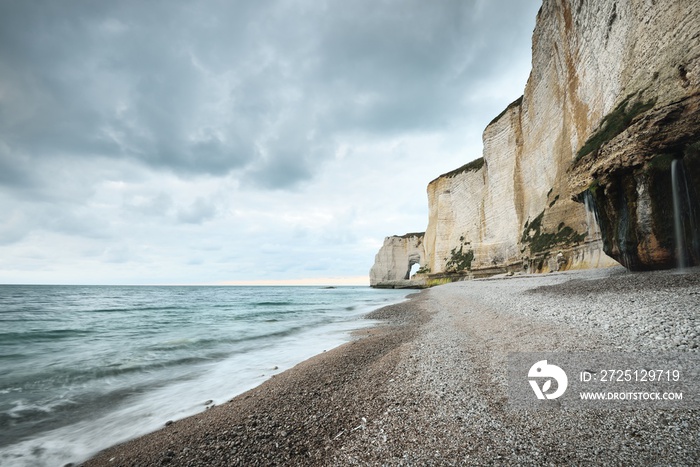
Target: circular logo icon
{"x": 546, "y": 373}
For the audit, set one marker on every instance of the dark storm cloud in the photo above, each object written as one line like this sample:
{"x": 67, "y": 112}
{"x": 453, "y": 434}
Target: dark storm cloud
{"x": 14, "y": 170}
{"x": 262, "y": 88}
{"x": 117, "y": 80}
{"x": 405, "y": 66}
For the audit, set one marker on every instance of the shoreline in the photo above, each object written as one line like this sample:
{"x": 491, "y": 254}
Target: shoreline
{"x": 282, "y": 400}
{"x": 427, "y": 384}
{"x": 173, "y": 367}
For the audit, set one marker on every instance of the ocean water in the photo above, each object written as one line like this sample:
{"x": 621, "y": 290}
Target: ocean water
{"x": 86, "y": 367}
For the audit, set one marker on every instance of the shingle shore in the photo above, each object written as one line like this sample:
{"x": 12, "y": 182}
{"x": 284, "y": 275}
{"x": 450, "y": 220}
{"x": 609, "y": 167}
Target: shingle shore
{"x": 427, "y": 387}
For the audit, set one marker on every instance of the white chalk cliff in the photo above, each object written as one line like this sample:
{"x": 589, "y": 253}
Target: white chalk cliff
{"x": 600, "y": 69}
{"x": 393, "y": 262}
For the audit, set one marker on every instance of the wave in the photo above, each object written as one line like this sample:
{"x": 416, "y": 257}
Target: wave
{"x": 134, "y": 308}
{"x": 88, "y": 389}
{"x": 275, "y": 303}
{"x": 158, "y": 357}
{"x": 40, "y": 336}
{"x": 149, "y": 347}
{"x": 262, "y": 335}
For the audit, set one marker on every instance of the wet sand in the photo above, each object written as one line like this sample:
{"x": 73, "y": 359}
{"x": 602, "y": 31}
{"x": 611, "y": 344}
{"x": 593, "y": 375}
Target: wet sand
{"x": 427, "y": 386}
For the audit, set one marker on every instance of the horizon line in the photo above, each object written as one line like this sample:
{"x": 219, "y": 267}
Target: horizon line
{"x": 310, "y": 282}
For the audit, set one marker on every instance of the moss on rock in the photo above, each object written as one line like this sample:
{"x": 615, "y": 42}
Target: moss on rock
{"x": 541, "y": 241}
{"x": 615, "y": 123}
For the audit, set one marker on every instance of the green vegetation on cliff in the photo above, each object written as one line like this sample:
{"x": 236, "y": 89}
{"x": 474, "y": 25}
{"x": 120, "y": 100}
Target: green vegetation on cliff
{"x": 460, "y": 260}
{"x": 615, "y": 123}
{"x": 541, "y": 241}
{"x": 434, "y": 282}
{"x": 472, "y": 166}
{"x": 412, "y": 234}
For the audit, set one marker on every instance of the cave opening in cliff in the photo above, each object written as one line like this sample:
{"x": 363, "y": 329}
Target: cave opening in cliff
{"x": 413, "y": 265}
{"x": 413, "y": 269}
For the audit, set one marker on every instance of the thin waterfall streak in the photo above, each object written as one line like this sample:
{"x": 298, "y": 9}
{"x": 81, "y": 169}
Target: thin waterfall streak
{"x": 592, "y": 227}
{"x": 679, "y": 231}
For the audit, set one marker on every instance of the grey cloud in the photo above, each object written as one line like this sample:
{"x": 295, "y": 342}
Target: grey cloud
{"x": 280, "y": 172}
{"x": 102, "y": 102}
{"x": 156, "y": 206}
{"x": 76, "y": 87}
{"x": 22, "y": 219}
{"x": 199, "y": 211}
{"x": 117, "y": 254}
{"x": 73, "y": 222}
{"x": 198, "y": 89}
{"x": 14, "y": 227}
{"x": 288, "y": 156}
{"x": 15, "y": 170}
{"x": 413, "y": 65}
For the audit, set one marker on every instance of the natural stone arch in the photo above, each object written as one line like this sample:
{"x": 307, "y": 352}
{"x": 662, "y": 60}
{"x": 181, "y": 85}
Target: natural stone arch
{"x": 393, "y": 262}
{"x": 412, "y": 259}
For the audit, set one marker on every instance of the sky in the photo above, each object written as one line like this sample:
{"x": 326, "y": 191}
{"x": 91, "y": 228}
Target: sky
{"x": 238, "y": 141}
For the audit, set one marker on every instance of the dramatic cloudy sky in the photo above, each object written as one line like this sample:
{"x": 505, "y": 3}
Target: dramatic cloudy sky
{"x": 237, "y": 140}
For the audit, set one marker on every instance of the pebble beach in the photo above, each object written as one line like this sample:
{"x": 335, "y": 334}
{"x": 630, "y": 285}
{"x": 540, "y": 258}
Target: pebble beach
{"x": 427, "y": 385}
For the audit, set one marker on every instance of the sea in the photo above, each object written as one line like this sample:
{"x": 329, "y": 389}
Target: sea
{"x": 86, "y": 367}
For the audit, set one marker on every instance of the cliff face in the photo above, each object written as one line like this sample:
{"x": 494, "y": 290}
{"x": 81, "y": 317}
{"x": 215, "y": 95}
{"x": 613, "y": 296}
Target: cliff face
{"x": 612, "y": 101}
{"x": 392, "y": 264}
{"x": 640, "y": 164}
